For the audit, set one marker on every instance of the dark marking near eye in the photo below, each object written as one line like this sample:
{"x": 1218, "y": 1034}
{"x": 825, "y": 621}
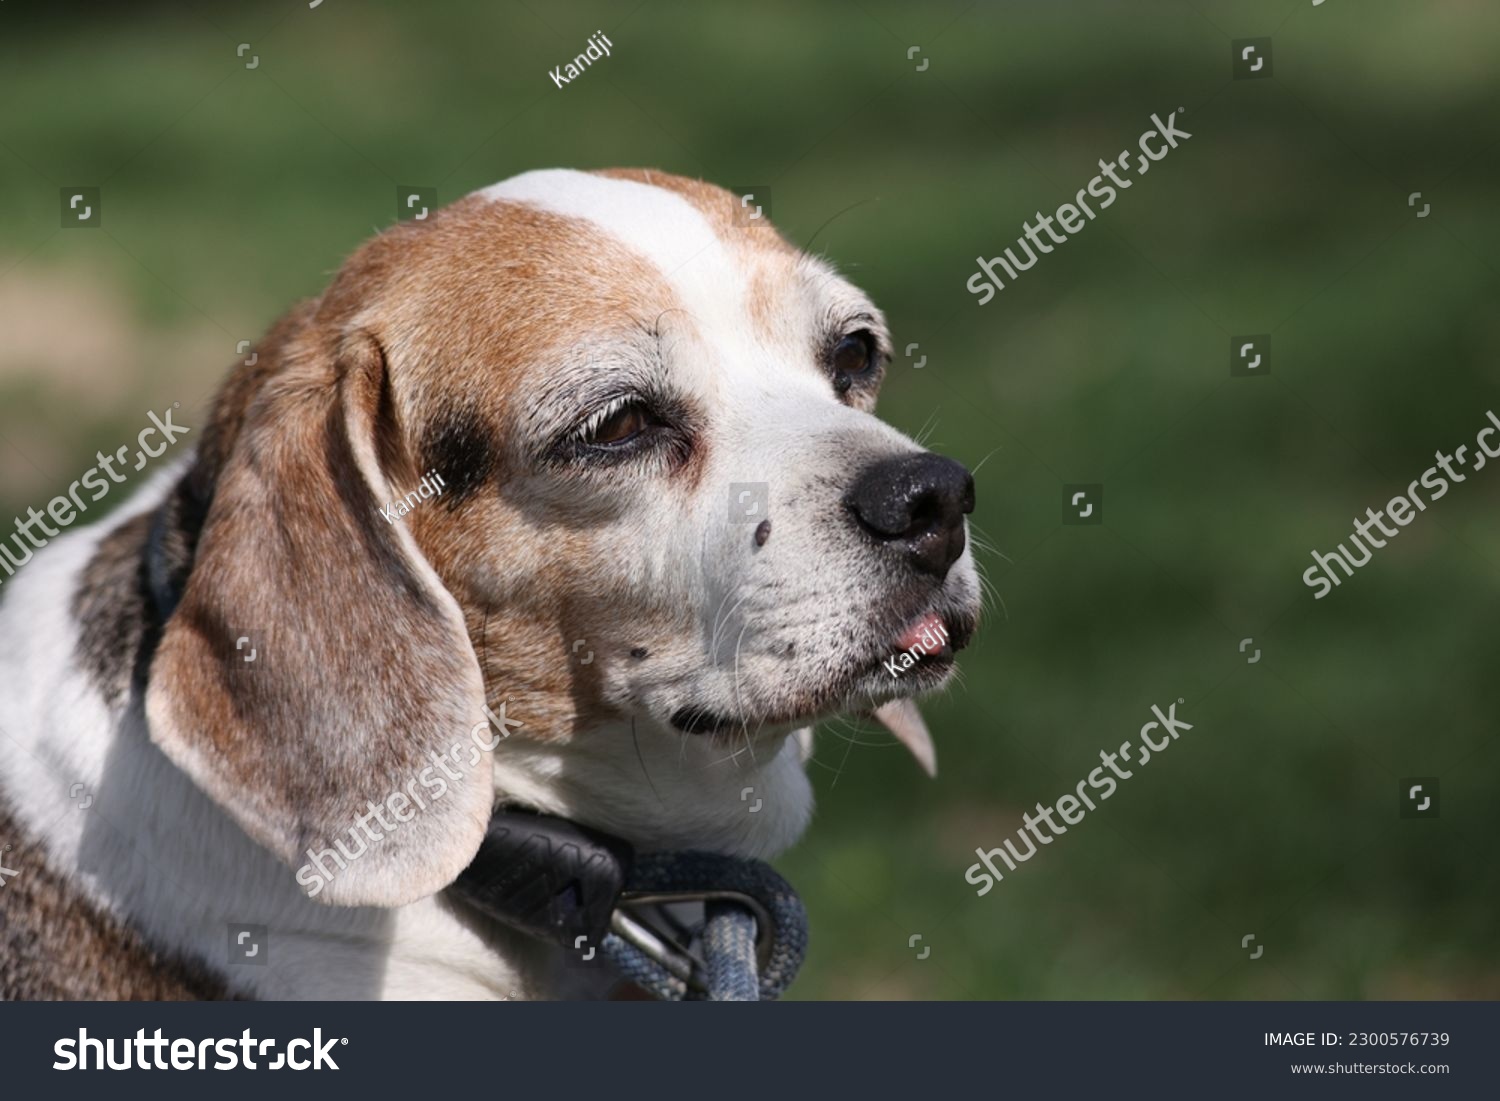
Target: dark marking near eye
{"x": 762, "y": 533}
{"x": 462, "y": 446}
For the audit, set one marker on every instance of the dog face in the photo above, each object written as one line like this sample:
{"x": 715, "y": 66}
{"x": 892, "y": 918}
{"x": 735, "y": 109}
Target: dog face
{"x": 669, "y": 530}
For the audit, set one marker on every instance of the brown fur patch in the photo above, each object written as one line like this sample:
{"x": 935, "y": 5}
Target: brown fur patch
{"x": 243, "y": 386}
{"x": 769, "y": 284}
{"x": 56, "y": 945}
{"x": 474, "y": 307}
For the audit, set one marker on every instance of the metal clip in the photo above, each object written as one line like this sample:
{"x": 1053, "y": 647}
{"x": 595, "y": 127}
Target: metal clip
{"x": 674, "y": 950}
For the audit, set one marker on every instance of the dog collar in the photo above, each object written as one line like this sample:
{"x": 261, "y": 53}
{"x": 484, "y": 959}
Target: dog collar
{"x": 547, "y": 877}
{"x": 580, "y": 889}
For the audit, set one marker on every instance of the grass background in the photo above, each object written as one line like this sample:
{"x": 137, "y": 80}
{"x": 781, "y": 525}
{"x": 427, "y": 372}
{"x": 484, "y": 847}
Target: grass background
{"x": 228, "y": 193}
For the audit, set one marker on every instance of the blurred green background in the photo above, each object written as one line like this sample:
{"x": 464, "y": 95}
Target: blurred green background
{"x": 230, "y": 192}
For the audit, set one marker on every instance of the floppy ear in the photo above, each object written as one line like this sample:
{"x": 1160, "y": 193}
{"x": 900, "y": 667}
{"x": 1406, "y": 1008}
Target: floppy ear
{"x": 316, "y": 670}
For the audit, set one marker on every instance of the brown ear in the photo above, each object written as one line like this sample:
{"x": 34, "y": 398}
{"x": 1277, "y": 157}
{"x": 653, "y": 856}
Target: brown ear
{"x": 315, "y": 667}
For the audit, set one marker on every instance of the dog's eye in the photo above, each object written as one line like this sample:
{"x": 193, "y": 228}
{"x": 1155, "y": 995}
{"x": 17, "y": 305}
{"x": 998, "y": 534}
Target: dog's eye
{"x": 852, "y": 358}
{"x": 628, "y": 428}
{"x": 620, "y": 426}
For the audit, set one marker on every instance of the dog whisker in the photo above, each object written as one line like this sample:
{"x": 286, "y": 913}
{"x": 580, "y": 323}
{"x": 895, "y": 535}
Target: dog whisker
{"x": 982, "y": 540}
{"x": 928, "y": 427}
{"x": 635, "y": 737}
{"x": 713, "y": 644}
{"x": 738, "y": 701}
{"x": 984, "y": 460}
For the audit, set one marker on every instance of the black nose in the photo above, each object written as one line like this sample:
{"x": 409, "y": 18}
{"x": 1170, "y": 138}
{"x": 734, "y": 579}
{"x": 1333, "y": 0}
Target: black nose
{"x": 916, "y": 504}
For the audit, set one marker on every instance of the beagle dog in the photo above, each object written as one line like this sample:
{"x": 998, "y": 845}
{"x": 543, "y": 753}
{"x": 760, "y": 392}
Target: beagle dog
{"x": 567, "y": 497}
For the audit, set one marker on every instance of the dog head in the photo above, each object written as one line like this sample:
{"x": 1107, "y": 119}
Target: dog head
{"x": 569, "y": 495}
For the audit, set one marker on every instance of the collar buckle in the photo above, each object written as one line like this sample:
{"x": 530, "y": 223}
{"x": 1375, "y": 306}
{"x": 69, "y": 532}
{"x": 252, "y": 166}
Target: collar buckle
{"x": 650, "y": 922}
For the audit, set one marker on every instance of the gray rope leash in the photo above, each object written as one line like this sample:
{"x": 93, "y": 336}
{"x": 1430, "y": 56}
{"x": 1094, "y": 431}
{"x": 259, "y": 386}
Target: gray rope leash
{"x": 740, "y": 961}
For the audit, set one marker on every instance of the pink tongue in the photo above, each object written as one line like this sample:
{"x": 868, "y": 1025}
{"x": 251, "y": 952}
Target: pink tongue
{"x": 930, "y": 625}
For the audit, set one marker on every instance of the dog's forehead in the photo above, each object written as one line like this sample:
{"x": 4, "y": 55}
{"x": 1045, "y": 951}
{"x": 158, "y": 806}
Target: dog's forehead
{"x": 658, "y": 224}
{"x": 723, "y": 273}
{"x": 512, "y": 292}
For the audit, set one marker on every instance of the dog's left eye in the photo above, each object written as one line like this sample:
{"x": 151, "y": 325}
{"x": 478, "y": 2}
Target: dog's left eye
{"x": 619, "y": 426}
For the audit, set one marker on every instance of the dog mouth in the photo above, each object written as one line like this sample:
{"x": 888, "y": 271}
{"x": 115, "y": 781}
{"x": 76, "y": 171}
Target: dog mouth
{"x": 915, "y": 656}
{"x": 933, "y": 639}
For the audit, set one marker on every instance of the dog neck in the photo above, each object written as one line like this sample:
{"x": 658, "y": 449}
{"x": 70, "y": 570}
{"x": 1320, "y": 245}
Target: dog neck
{"x": 664, "y": 792}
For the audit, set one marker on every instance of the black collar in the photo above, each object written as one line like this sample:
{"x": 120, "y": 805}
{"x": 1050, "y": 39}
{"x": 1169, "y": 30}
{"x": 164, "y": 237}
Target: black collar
{"x": 547, "y": 877}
